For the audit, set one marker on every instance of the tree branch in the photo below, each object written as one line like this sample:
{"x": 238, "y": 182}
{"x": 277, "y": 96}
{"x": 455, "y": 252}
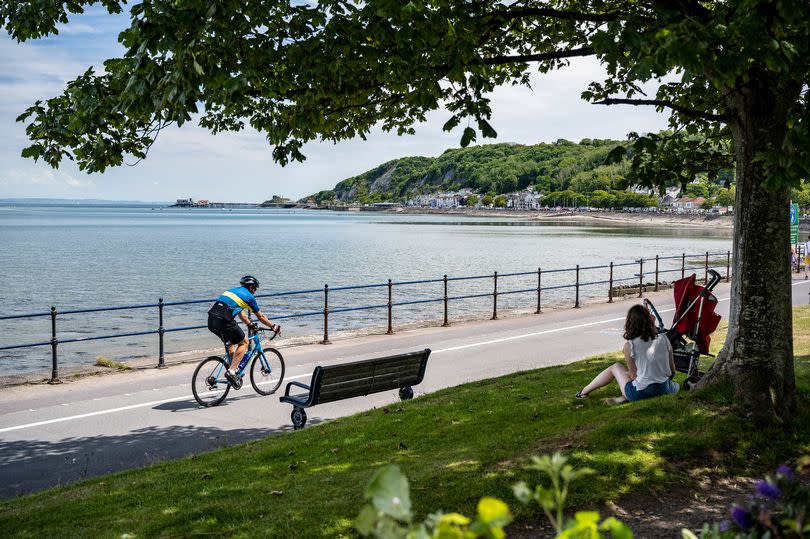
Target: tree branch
{"x": 494, "y": 60}
{"x": 555, "y": 14}
{"x": 662, "y": 103}
{"x": 688, "y": 8}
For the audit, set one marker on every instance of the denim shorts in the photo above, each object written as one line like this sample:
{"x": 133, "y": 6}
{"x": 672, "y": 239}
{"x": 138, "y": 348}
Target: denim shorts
{"x": 652, "y": 390}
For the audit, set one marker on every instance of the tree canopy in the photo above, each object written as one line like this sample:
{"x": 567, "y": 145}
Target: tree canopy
{"x": 333, "y": 70}
{"x": 733, "y": 71}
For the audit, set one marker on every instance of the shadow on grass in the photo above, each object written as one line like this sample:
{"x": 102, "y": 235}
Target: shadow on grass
{"x": 31, "y": 465}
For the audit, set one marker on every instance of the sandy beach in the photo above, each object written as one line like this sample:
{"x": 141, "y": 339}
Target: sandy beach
{"x": 641, "y": 219}
{"x": 606, "y": 218}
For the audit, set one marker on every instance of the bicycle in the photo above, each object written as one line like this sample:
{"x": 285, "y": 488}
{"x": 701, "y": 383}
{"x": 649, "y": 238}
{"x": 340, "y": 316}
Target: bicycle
{"x": 209, "y": 385}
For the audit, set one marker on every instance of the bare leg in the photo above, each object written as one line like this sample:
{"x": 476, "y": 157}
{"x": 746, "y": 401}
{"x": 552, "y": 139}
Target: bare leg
{"x": 236, "y": 356}
{"x": 614, "y": 372}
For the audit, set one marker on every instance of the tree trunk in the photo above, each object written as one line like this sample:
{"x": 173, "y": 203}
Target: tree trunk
{"x": 758, "y": 354}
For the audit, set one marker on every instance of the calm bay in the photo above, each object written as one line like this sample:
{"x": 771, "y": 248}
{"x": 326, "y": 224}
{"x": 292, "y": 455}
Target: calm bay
{"x": 76, "y": 257}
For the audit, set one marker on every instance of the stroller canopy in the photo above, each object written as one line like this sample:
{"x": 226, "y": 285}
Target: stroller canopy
{"x": 696, "y": 317}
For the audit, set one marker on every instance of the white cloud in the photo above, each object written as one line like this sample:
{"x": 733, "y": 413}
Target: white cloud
{"x": 76, "y": 28}
{"x": 41, "y": 176}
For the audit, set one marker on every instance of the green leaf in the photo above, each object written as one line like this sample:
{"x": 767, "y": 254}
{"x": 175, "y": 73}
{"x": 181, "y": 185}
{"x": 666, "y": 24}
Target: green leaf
{"x": 467, "y": 137}
{"x": 34, "y": 151}
{"x": 389, "y": 493}
{"x": 617, "y": 529}
{"x": 450, "y": 124}
{"x": 688, "y": 534}
{"x": 521, "y": 490}
{"x": 364, "y": 523}
{"x": 456, "y": 519}
{"x": 493, "y": 510}
{"x": 545, "y": 497}
{"x": 486, "y": 130}
{"x": 586, "y": 518}
{"x": 616, "y": 155}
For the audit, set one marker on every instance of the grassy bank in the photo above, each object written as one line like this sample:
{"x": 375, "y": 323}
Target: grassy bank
{"x": 455, "y": 445}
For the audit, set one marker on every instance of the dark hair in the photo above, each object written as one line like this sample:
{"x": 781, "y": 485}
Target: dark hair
{"x": 639, "y": 323}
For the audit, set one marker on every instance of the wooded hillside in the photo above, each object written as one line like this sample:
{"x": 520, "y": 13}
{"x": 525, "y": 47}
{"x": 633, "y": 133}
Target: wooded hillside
{"x": 493, "y": 169}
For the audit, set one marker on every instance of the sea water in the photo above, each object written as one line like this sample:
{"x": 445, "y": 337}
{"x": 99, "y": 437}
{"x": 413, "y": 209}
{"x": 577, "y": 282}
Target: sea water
{"x": 77, "y": 257}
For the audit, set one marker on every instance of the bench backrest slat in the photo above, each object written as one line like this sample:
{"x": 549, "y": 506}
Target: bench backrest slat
{"x": 361, "y": 378}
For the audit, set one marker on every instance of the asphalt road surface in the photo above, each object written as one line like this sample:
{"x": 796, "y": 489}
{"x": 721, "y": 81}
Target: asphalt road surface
{"x": 51, "y": 435}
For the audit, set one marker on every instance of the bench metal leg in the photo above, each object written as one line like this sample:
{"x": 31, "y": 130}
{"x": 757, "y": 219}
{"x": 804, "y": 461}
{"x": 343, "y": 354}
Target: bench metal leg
{"x": 299, "y": 418}
{"x": 405, "y": 393}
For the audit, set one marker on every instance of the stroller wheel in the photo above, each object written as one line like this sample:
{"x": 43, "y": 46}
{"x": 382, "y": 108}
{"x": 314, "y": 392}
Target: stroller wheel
{"x": 690, "y": 382}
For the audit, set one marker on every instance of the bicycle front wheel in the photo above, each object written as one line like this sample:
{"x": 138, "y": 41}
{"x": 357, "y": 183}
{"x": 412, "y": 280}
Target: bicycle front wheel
{"x": 267, "y": 371}
{"x": 209, "y": 385}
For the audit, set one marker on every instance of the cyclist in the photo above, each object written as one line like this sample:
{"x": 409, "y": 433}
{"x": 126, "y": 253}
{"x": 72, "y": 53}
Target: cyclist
{"x": 222, "y": 320}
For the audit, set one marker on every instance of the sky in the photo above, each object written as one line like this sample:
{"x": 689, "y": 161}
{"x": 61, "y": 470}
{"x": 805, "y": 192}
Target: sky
{"x": 238, "y": 167}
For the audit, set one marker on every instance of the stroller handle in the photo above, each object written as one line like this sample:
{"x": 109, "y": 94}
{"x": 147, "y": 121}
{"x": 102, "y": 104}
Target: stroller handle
{"x": 714, "y": 279}
{"x": 654, "y": 311}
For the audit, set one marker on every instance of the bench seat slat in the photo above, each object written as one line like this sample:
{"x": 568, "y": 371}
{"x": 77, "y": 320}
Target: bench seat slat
{"x": 337, "y": 391}
{"x": 332, "y": 377}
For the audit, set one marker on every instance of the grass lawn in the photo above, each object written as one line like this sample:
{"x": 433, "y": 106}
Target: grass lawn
{"x": 455, "y": 446}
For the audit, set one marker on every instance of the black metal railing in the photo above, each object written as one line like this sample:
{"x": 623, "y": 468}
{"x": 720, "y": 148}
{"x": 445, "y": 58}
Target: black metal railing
{"x": 653, "y": 267}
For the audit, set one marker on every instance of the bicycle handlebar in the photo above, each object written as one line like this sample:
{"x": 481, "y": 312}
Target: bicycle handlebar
{"x": 252, "y": 332}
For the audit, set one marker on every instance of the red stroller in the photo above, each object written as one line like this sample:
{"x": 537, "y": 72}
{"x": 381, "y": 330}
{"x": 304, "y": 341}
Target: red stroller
{"x": 692, "y": 325}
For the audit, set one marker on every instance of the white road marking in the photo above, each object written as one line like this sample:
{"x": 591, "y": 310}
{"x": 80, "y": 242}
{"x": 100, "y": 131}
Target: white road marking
{"x": 462, "y": 347}
{"x": 112, "y": 410}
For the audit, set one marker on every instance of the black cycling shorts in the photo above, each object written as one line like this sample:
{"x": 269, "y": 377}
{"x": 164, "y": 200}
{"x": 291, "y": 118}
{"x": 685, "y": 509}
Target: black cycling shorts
{"x": 227, "y": 330}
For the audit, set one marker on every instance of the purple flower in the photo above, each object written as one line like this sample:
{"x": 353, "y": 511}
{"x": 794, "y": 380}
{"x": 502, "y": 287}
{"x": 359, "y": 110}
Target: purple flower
{"x": 785, "y": 471}
{"x": 767, "y": 489}
{"x": 724, "y": 525}
{"x": 741, "y": 517}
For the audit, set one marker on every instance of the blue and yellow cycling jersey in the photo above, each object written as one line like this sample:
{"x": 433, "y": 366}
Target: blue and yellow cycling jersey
{"x": 237, "y": 299}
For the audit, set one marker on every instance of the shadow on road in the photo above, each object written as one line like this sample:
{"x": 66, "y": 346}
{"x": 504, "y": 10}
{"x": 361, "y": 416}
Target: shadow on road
{"x": 31, "y": 465}
{"x": 178, "y": 406}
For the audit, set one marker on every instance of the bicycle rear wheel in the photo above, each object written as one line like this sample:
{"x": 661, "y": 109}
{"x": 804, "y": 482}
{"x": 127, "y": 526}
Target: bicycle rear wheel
{"x": 209, "y": 385}
{"x": 267, "y": 371}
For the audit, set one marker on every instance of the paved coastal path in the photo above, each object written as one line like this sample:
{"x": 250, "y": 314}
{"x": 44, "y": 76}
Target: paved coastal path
{"x": 51, "y": 435}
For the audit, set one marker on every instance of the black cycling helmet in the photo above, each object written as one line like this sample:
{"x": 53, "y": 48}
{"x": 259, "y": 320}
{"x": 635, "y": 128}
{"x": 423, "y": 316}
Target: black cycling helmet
{"x": 249, "y": 280}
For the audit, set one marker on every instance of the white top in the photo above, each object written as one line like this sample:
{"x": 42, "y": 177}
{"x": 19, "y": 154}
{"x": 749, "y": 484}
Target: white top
{"x": 652, "y": 360}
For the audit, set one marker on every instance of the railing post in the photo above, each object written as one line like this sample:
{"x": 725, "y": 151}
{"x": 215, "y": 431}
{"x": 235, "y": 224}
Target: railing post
{"x": 325, "y": 314}
{"x": 706, "y": 269}
{"x": 640, "y": 276}
{"x": 539, "y": 290}
{"x": 390, "y": 326}
{"x": 54, "y": 343}
{"x": 728, "y": 265}
{"x": 576, "y": 290}
{"x": 161, "y": 331}
{"x": 610, "y": 284}
{"x": 446, "y": 321}
{"x": 683, "y": 264}
{"x": 495, "y": 298}
{"x": 656, "y": 273}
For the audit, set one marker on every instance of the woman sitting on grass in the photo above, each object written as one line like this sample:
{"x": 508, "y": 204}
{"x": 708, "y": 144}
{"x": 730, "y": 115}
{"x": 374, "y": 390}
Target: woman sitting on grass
{"x": 650, "y": 365}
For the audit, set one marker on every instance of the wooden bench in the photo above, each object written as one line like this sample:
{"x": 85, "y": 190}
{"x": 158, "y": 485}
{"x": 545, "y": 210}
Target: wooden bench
{"x": 357, "y": 379}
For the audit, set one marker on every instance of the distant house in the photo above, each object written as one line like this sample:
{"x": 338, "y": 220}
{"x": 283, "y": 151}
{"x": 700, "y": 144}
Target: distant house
{"x": 667, "y": 202}
{"x": 526, "y": 200}
{"x": 688, "y": 203}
